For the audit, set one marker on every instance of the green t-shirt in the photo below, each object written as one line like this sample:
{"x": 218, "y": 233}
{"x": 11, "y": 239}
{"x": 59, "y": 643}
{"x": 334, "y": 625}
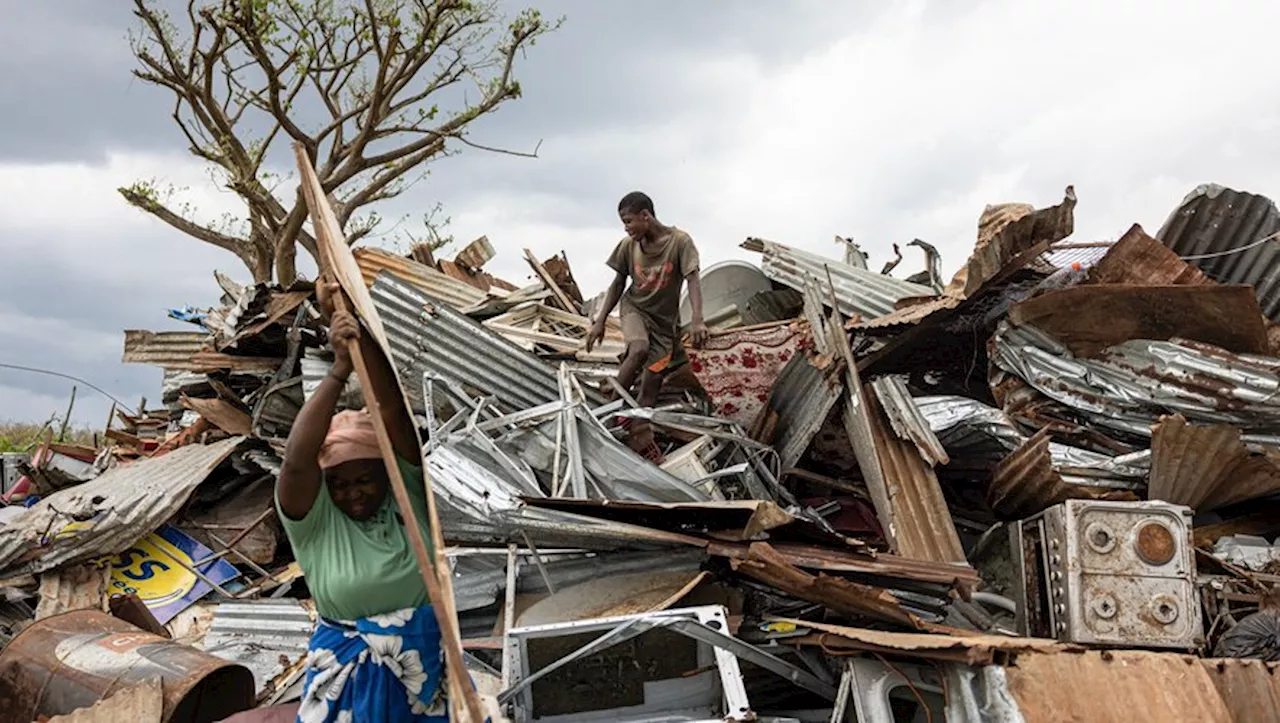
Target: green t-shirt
{"x": 357, "y": 569}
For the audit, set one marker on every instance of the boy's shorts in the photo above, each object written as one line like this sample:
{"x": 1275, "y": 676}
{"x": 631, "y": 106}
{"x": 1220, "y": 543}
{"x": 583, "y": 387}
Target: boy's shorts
{"x": 665, "y": 350}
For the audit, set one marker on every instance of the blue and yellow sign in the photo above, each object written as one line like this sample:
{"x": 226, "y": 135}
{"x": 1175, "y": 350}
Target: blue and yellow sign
{"x": 158, "y": 570}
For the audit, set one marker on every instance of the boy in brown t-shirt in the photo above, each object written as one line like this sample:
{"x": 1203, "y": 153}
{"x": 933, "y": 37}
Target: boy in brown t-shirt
{"x": 657, "y": 259}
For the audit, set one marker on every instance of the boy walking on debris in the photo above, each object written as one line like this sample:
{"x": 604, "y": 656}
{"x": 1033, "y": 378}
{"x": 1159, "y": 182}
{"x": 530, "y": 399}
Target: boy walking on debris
{"x": 657, "y": 259}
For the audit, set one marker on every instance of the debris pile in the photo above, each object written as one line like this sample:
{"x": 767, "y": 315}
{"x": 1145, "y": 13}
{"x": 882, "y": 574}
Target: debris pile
{"x": 874, "y": 493}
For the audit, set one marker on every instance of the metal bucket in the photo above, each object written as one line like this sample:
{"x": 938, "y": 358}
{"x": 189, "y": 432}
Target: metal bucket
{"x": 71, "y": 661}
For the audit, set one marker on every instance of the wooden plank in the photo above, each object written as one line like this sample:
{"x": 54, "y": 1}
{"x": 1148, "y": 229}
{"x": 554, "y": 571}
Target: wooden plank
{"x": 336, "y": 259}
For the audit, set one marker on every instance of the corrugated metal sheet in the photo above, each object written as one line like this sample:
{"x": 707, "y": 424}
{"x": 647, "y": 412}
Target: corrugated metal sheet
{"x": 1026, "y": 482}
{"x": 1250, "y": 688}
{"x": 912, "y": 314}
{"x": 428, "y": 336}
{"x": 108, "y": 513}
{"x": 1132, "y": 384}
{"x": 1207, "y": 467}
{"x": 168, "y": 349}
{"x": 1221, "y": 231}
{"x": 141, "y": 703}
{"x": 269, "y": 637}
{"x": 1115, "y": 687}
{"x": 917, "y": 519}
{"x": 906, "y": 419}
{"x": 1001, "y": 239}
{"x": 798, "y": 406}
{"x": 458, "y": 294}
{"x": 1139, "y": 259}
{"x": 860, "y": 293}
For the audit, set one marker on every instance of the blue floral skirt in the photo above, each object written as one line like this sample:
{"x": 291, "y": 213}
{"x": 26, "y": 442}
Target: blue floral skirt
{"x": 380, "y": 668}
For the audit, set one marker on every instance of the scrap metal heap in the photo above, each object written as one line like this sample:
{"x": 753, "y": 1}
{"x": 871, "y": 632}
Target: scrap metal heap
{"x": 879, "y": 499}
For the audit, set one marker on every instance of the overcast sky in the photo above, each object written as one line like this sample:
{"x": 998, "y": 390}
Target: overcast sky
{"x": 789, "y": 120}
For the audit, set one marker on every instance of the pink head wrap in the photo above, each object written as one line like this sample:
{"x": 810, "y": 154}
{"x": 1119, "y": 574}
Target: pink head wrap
{"x": 350, "y": 437}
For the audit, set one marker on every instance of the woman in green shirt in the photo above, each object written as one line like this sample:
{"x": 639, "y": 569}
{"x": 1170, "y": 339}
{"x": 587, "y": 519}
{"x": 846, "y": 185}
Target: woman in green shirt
{"x": 375, "y": 655}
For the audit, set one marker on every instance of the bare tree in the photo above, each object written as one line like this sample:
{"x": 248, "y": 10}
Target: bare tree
{"x": 375, "y": 90}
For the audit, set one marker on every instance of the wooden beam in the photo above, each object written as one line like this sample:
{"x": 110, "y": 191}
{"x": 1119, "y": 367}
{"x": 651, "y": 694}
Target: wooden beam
{"x": 337, "y": 260}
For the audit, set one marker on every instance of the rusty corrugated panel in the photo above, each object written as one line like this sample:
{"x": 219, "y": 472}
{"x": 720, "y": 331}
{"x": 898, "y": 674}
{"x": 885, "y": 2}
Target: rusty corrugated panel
{"x": 1207, "y": 467}
{"x": 1222, "y": 231}
{"x": 907, "y": 420}
{"x": 916, "y": 520}
{"x": 910, "y": 315}
{"x": 108, "y": 513}
{"x": 799, "y": 403}
{"x": 1025, "y": 482}
{"x": 140, "y": 703}
{"x": 1139, "y": 259}
{"x": 1130, "y": 385}
{"x": 1002, "y": 237}
{"x": 859, "y": 292}
{"x": 457, "y": 294}
{"x": 168, "y": 349}
{"x": 1115, "y": 687}
{"x": 1250, "y": 688}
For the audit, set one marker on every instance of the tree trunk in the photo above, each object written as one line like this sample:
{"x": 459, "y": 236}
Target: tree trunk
{"x": 286, "y": 263}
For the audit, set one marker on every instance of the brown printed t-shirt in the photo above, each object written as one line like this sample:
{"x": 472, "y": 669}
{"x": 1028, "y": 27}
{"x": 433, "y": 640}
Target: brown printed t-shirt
{"x": 656, "y": 278}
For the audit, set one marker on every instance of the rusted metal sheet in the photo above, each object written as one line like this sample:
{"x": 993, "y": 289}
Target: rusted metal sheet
{"x": 1207, "y": 467}
{"x": 73, "y": 587}
{"x": 910, "y": 314}
{"x": 969, "y": 649}
{"x": 859, "y": 293}
{"x": 187, "y": 351}
{"x": 1088, "y": 319}
{"x": 68, "y": 662}
{"x": 1139, "y": 259}
{"x": 1025, "y": 482}
{"x": 907, "y": 421}
{"x": 1250, "y": 688}
{"x": 764, "y": 563}
{"x": 799, "y": 403}
{"x": 168, "y": 349}
{"x": 916, "y": 518}
{"x": 108, "y": 513}
{"x": 141, "y": 703}
{"x": 457, "y": 294}
{"x": 1132, "y": 384}
{"x": 828, "y": 559}
{"x": 1115, "y": 687}
{"x": 1231, "y": 236}
{"x": 1003, "y": 237}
